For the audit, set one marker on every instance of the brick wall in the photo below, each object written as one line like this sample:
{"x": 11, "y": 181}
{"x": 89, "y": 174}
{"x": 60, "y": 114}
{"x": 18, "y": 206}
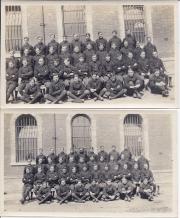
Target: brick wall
{"x": 34, "y": 19}
{"x": 163, "y": 29}
{"x": 107, "y": 134}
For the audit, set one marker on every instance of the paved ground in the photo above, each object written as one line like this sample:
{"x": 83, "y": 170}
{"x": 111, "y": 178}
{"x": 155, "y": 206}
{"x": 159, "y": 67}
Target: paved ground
{"x": 161, "y": 204}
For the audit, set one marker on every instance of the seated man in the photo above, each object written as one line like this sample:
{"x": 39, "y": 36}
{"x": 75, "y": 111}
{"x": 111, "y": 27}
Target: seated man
{"x": 76, "y": 55}
{"x": 51, "y": 56}
{"x": 80, "y": 193}
{"x": 32, "y": 93}
{"x": 95, "y": 87}
{"x": 42, "y": 73}
{"x": 39, "y": 178}
{"x": 131, "y": 62}
{"x": 95, "y": 191}
{"x": 64, "y": 192}
{"x": 107, "y": 68}
{"x": 41, "y": 155}
{"x": 44, "y": 194}
{"x": 26, "y": 55}
{"x": 110, "y": 192}
{"x": 77, "y": 90}
{"x": 133, "y": 83}
{"x": 114, "y": 88}
{"x": 28, "y": 180}
{"x": 11, "y": 79}
{"x": 95, "y": 66}
{"x": 56, "y": 92}
{"x": 52, "y": 177}
{"x": 146, "y": 190}
{"x": 56, "y": 68}
{"x": 125, "y": 189}
{"x": 119, "y": 66}
{"x": 114, "y": 153}
{"x": 158, "y": 84}
{"x": 25, "y": 74}
{"x": 136, "y": 177}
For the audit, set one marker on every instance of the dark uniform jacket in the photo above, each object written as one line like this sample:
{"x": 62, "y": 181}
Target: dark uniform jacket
{"x": 50, "y": 59}
{"x": 147, "y": 174}
{"x": 52, "y": 178}
{"x": 69, "y": 70}
{"x": 126, "y": 173}
{"x": 73, "y": 177}
{"x": 43, "y": 157}
{"x": 131, "y": 41}
{"x": 77, "y": 43}
{"x": 76, "y": 86}
{"x": 116, "y": 40}
{"x": 154, "y": 79}
{"x": 137, "y": 52}
{"x": 29, "y": 58}
{"x": 56, "y": 88}
{"x": 53, "y": 44}
{"x": 88, "y": 55}
{"x": 28, "y": 179}
{"x": 36, "y": 59}
{"x": 42, "y": 73}
{"x": 104, "y": 154}
{"x": 131, "y": 63}
{"x": 114, "y": 53}
{"x": 119, "y": 66}
{"x": 95, "y": 84}
{"x": 115, "y": 154}
{"x": 132, "y": 79}
{"x": 145, "y": 187}
{"x": 128, "y": 186}
{"x": 14, "y": 60}
{"x": 75, "y": 58}
{"x": 42, "y": 166}
{"x": 25, "y": 73}
{"x": 141, "y": 161}
{"x": 101, "y": 55}
{"x": 65, "y": 55}
{"x": 39, "y": 178}
{"x": 95, "y": 67}
{"x": 12, "y": 74}
{"x": 149, "y": 48}
{"x": 156, "y": 63}
{"x": 30, "y": 167}
{"x": 63, "y": 190}
{"x": 114, "y": 86}
{"x": 56, "y": 70}
{"x": 85, "y": 176}
{"x": 62, "y": 175}
{"x": 80, "y": 189}
{"x": 82, "y": 69}
{"x": 63, "y": 44}
{"x": 136, "y": 175}
{"x": 125, "y": 51}
{"x": 143, "y": 65}
{"x": 91, "y": 42}
{"x": 41, "y": 47}
{"x": 27, "y": 46}
{"x": 110, "y": 189}
{"x": 43, "y": 192}
{"x": 107, "y": 67}
{"x": 94, "y": 188}
{"x": 101, "y": 41}
{"x": 31, "y": 90}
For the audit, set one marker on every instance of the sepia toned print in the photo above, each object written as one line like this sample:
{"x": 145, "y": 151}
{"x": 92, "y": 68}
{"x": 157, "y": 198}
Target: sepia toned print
{"x": 61, "y": 141}
{"x": 69, "y": 54}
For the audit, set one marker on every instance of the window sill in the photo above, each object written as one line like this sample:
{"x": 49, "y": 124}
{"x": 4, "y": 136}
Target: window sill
{"x": 21, "y": 163}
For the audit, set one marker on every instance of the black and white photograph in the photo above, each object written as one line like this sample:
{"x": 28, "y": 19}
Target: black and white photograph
{"x": 90, "y": 163}
{"x": 84, "y": 54}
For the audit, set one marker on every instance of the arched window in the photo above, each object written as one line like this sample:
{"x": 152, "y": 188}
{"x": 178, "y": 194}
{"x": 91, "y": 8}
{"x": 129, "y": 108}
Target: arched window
{"x": 133, "y": 133}
{"x": 26, "y": 137}
{"x": 81, "y": 132}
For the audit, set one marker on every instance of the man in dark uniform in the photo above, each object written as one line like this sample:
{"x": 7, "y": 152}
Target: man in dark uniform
{"x": 115, "y": 172}
{"x": 63, "y": 173}
{"x": 88, "y": 52}
{"x": 125, "y": 171}
{"x": 141, "y": 161}
{"x": 52, "y": 177}
{"x": 25, "y": 73}
{"x": 131, "y": 39}
{"x": 80, "y": 193}
{"x": 95, "y": 87}
{"x": 56, "y": 69}
{"x": 32, "y": 93}
{"x": 85, "y": 176}
{"x": 53, "y": 156}
{"x": 41, "y": 155}
{"x": 37, "y": 56}
{"x": 137, "y": 51}
{"x": 95, "y": 66}
{"x": 65, "y": 54}
{"x": 82, "y": 69}
{"x": 125, "y": 49}
{"x": 95, "y": 191}
{"x": 101, "y": 40}
{"x": 114, "y": 88}
{"x": 44, "y": 193}
{"x": 156, "y": 63}
{"x": 11, "y": 79}
{"x": 158, "y": 84}
{"x": 136, "y": 177}
{"x": 52, "y": 55}
{"x": 41, "y": 164}
{"x": 133, "y": 83}
{"x": 146, "y": 190}
{"x": 125, "y": 189}
{"x": 42, "y": 73}
{"x": 64, "y": 44}
{"x": 40, "y": 45}
{"x": 89, "y": 41}
{"x": 103, "y": 153}
{"x": 56, "y": 92}
{"x": 110, "y": 192}
{"x": 149, "y": 48}
{"x": 76, "y": 54}
{"x": 62, "y": 162}
{"x": 115, "y": 40}
{"x": 39, "y": 178}
{"x": 64, "y": 192}
{"x": 131, "y": 62}
{"x": 77, "y": 42}
{"x": 77, "y": 90}
{"x": 29, "y": 166}
{"x": 101, "y": 53}
{"x": 107, "y": 68}
{"x": 104, "y": 175}
{"x": 127, "y": 154}
{"x": 26, "y": 45}
{"x": 73, "y": 175}
{"x": 119, "y": 66}
{"x": 114, "y": 153}
{"x": 26, "y": 55}
{"x": 53, "y": 43}
{"x": 13, "y": 59}
{"x": 28, "y": 180}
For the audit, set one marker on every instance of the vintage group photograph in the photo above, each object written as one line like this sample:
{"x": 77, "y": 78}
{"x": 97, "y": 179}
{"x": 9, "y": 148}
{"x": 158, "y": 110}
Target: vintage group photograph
{"x": 97, "y": 162}
{"x": 89, "y": 53}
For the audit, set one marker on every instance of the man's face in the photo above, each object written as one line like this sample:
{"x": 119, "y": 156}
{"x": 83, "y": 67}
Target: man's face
{"x": 49, "y": 160}
{"x": 157, "y": 73}
{"x": 143, "y": 54}
{"x": 40, "y": 161}
{"x": 95, "y": 167}
{"x": 64, "y": 170}
{"x": 125, "y": 166}
{"x": 155, "y": 54}
{"x": 40, "y": 40}
{"x": 119, "y": 57}
{"x": 145, "y": 181}
{"x": 135, "y": 166}
{"x": 38, "y": 51}
{"x": 87, "y": 37}
{"x": 11, "y": 53}
{"x": 116, "y": 167}
{"x": 91, "y": 158}
{"x": 81, "y": 59}
{"x": 67, "y": 62}
{"x": 24, "y": 63}
{"x": 76, "y": 49}
{"x": 39, "y": 170}
{"x": 113, "y": 45}
{"x": 10, "y": 64}
{"x": 84, "y": 169}
{"x": 130, "y": 55}
{"x": 26, "y": 51}
{"x": 63, "y": 182}
{"x": 27, "y": 170}
{"x": 100, "y": 35}
{"x": 111, "y": 158}
{"x": 44, "y": 185}
{"x": 60, "y": 159}
{"x": 32, "y": 82}
{"x": 128, "y": 32}
{"x": 106, "y": 168}
{"x": 64, "y": 48}
{"x": 94, "y": 77}
{"x": 89, "y": 46}
{"x": 52, "y": 37}
{"x": 26, "y": 40}
{"x": 76, "y": 79}
{"x": 101, "y": 158}
{"x": 51, "y": 169}
{"x": 55, "y": 78}
{"x": 51, "y": 50}
{"x": 56, "y": 63}
{"x": 125, "y": 43}
{"x": 101, "y": 47}
{"x": 108, "y": 58}
{"x": 74, "y": 170}
{"x": 124, "y": 180}
{"x": 149, "y": 39}
{"x": 94, "y": 58}
{"x": 137, "y": 44}
{"x": 122, "y": 156}
{"x": 130, "y": 72}
{"x": 114, "y": 34}
{"x": 41, "y": 61}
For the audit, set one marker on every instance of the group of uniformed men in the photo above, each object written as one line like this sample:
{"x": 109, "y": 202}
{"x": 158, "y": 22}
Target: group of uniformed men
{"x": 79, "y": 70}
{"x": 83, "y": 176}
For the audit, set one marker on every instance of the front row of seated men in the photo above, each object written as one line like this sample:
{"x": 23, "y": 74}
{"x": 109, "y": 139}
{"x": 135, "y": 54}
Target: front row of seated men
{"x": 81, "y": 176}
